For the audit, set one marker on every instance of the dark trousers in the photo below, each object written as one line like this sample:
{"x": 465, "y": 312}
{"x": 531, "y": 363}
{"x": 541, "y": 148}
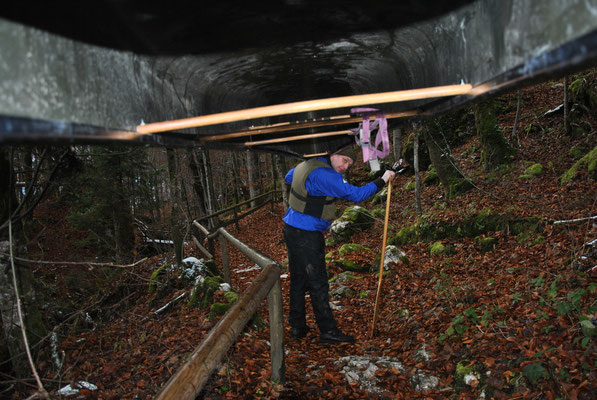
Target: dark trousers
{"x": 306, "y": 261}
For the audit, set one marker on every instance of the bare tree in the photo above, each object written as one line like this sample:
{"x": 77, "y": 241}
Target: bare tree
{"x": 253, "y": 171}
{"x": 176, "y": 218}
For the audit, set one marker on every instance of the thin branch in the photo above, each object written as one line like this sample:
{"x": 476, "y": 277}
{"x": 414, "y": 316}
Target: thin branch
{"x": 13, "y": 217}
{"x": 93, "y": 264}
{"x": 571, "y": 221}
{"x": 41, "y": 391}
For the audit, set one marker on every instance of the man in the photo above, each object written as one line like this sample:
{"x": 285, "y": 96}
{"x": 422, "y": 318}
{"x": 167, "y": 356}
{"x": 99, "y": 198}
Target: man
{"x": 315, "y": 185}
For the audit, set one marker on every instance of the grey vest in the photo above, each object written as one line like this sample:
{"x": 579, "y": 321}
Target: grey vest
{"x": 316, "y": 206}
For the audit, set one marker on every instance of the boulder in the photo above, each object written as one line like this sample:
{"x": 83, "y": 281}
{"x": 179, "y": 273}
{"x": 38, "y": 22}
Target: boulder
{"x": 354, "y": 219}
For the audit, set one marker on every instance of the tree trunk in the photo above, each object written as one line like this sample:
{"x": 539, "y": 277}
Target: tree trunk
{"x": 197, "y": 187}
{"x": 397, "y": 139}
{"x": 515, "y": 136}
{"x": 441, "y": 157}
{"x": 124, "y": 237}
{"x": 253, "y": 171}
{"x": 208, "y": 186}
{"x": 280, "y": 162}
{"x": 495, "y": 149}
{"x": 176, "y": 223}
{"x": 566, "y": 107}
{"x": 11, "y": 331}
{"x": 417, "y": 178}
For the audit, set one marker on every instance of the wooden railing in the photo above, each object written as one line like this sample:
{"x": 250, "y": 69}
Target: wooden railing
{"x": 190, "y": 379}
{"x": 236, "y": 208}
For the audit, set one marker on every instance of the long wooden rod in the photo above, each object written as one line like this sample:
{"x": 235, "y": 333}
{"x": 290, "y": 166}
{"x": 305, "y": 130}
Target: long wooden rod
{"x": 298, "y": 137}
{"x": 305, "y": 106}
{"x": 383, "y": 256}
{"x": 291, "y": 126}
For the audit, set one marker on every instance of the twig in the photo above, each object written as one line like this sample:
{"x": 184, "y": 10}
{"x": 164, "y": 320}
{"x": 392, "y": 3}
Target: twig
{"x": 94, "y": 264}
{"x": 41, "y": 391}
{"x": 571, "y": 221}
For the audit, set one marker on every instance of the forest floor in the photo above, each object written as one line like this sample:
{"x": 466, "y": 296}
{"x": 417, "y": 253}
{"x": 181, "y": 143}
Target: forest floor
{"x": 514, "y": 313}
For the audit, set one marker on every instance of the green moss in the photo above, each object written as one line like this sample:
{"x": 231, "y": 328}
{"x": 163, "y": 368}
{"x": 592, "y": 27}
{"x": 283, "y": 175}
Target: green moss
{"x": 577, "y": 152}
{"x": 351, "y": 248}
{"x": 474, "y": 225}
{"x": 231, "y": 296}
{"x": 432, "y": 177}
{"x": 218, "y": 309}
{"x": 380, "y": 197}
{"x": 349, "y": 265}
{"x": 363, "y": 294}
{"x": 354, "y": 219}
{"x": 496, "y": 150}
{"x": 203, "y": 293}
{"x": 378, "y": 213}
{"x": 344, "y": 277}
{"x": 155, "y": 278}
{"x": 531, "y": 224}
{"x": 534, "y": 170}
{"x": 462, "y": 371}
{"x": 458, "y": 187}
{"x": 589, "y": 161}
{"x": 410, "y": 185}
{"x": 438, "y": 249}
{"x": 329, "y": 257}
{"x": 487, "y": 243}
{"x": 529, "y": 239}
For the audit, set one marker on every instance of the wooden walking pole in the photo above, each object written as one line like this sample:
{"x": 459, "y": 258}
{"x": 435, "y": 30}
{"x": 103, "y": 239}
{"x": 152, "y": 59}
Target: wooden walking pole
{"x": 383, "y": 256}
{"x": 305, "y": 106}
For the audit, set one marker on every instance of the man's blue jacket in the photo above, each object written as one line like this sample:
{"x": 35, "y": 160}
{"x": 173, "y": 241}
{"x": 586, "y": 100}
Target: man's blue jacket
{"x": 327, "y": 182}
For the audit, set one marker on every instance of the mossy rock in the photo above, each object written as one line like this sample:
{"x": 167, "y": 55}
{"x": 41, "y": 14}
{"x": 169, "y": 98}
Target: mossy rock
{"x": 218, "y": 309}
{"x": 589, "y": 161}
{"x": 472, "y": 226}
{"x": 154, "y": 279}
{"x": 463, "y": 371}
{"x": 528, "y": 239}
{"x": 203, "y": 293}
{"x": 581, "y": 92}
{"x": 432, "y": 178}
{"x": 458, "y": 187}
{"x": 393, "y": 255}
{"x": 379, "y": 197}
{"x": 577, "y": 152}
{"x": 329, "y": 257}
{"x": 354, "y": 219}
{"x": 342, "y": 291}
{"x": 344, "y": 277}
{"x": 378, "y": 213}
{"x": 438, "y": 249}
{"x": 531, "y": 172}
{"x": 486, "y": 244}
{"x": 351, "y": 248}
{"x": 349, "y": 265}
{"x": 530, "y": 224}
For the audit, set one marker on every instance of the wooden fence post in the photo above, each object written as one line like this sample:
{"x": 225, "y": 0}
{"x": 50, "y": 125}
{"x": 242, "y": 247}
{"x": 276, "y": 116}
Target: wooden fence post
{"x": 225, "y": 263}
{"x": 276, "y": 327}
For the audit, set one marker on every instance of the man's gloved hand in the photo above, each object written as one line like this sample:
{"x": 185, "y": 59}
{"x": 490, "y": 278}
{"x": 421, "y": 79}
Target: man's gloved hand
{"x": 389, "y": 174}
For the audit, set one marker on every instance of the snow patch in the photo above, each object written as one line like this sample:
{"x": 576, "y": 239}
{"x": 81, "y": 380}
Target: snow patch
{"x": 253, "y": 268}
{"x": 69, "y": 390}
{"x": 361, "y": 370}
